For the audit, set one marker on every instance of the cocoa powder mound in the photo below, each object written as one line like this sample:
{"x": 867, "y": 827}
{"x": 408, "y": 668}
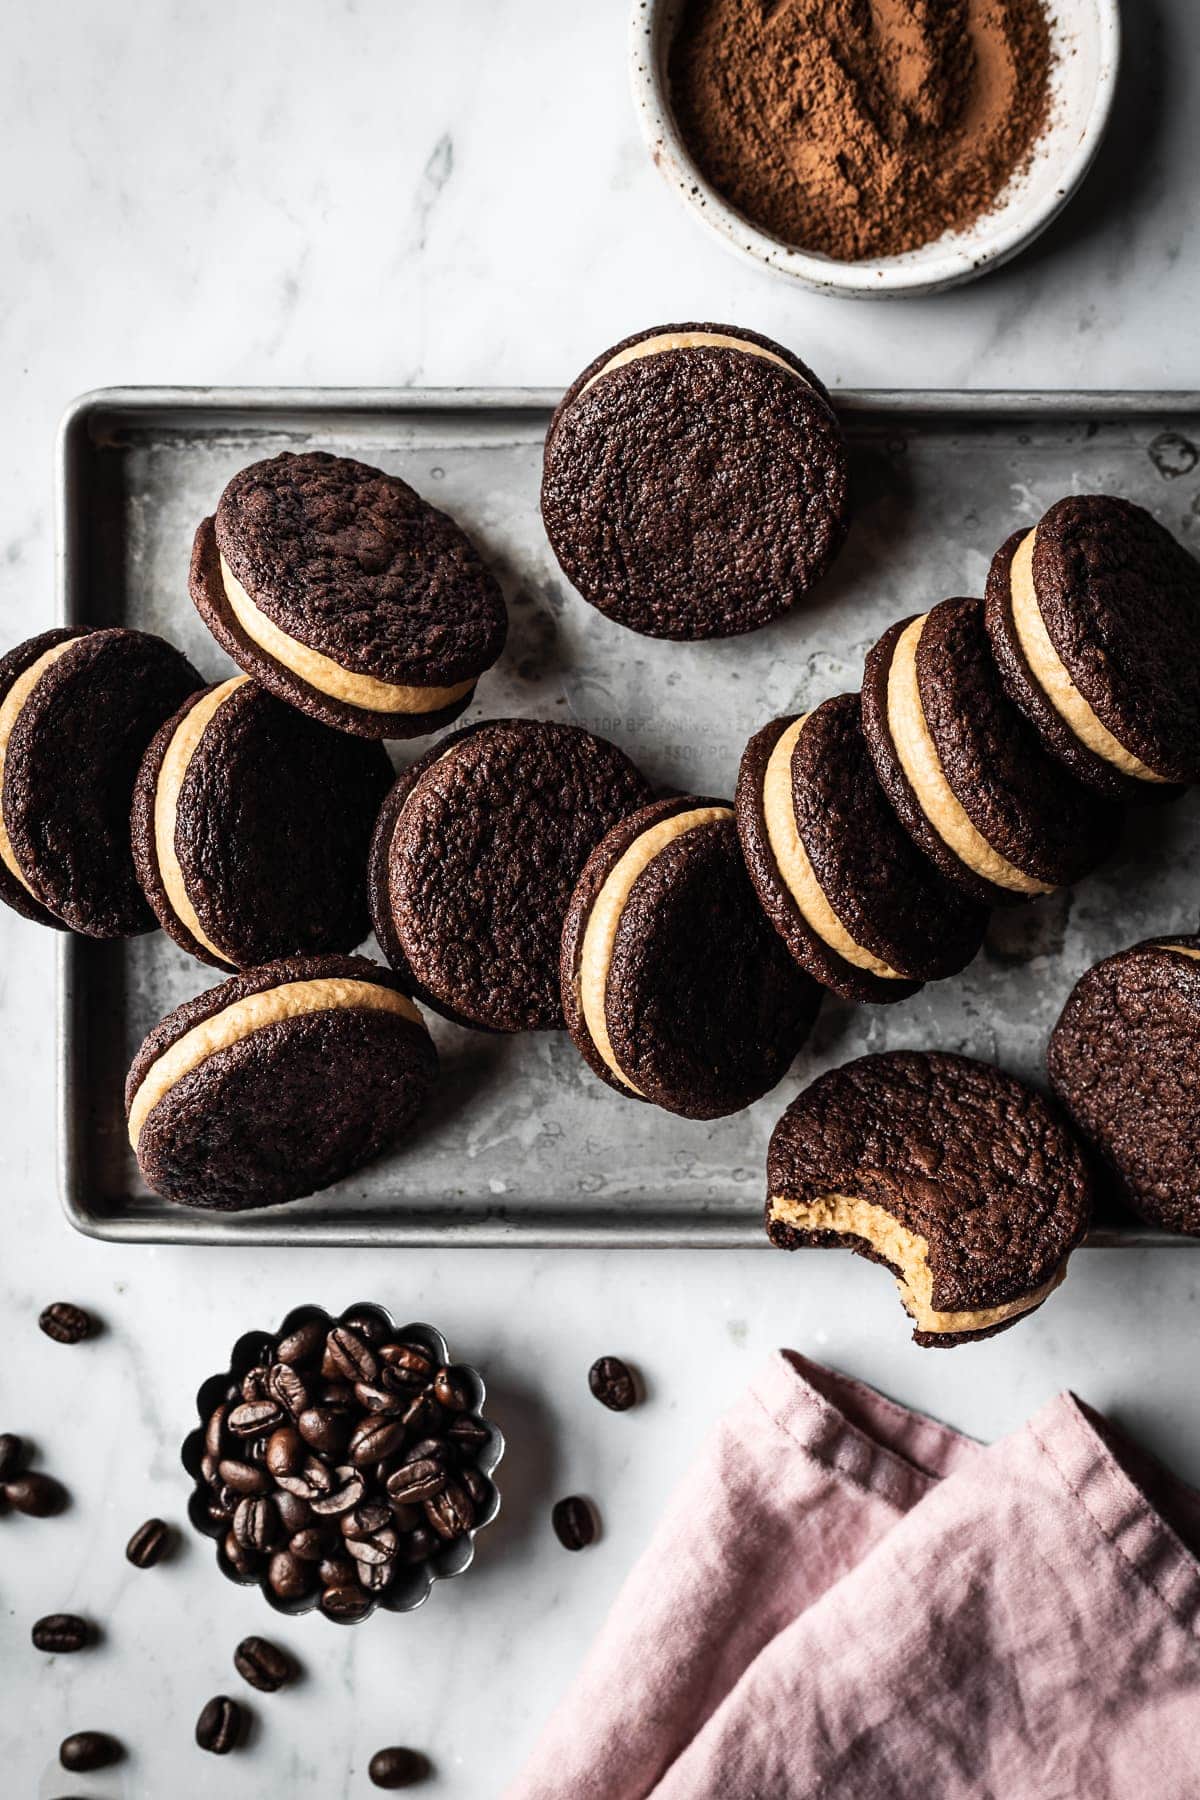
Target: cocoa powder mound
{"x": 861, "y": 128}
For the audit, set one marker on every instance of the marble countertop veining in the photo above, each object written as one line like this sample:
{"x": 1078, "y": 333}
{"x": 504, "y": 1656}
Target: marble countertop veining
{"x": 381, "y": 193}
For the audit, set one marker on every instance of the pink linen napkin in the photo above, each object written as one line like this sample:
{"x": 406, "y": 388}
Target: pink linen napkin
{"x": 846, "y": 1599}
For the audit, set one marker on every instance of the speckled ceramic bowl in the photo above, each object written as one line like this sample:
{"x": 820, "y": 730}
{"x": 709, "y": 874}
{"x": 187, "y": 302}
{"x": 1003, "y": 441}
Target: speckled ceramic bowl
{"x": 1087, "y": 38}
{"x": 413, "y": 1585}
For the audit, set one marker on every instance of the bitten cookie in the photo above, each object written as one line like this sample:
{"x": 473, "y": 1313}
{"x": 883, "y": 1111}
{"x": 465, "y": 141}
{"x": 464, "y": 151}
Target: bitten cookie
{"x": 251, "y": 827}
{"x": 695, "y": 481}
{"x": 77, "y": 709}
{"x": 967, "y": 775}
{"x": 956, "y": 1176}
{"x": 857, "y": 904}
{"x": 476, "y": 852}
{"x": 1124, "y": 1059}
{"x": 277, "y": 1082}
{"x": 1094, "y": 618}
{"x": 344, "y": 593}
{"x": 674, "y": 986}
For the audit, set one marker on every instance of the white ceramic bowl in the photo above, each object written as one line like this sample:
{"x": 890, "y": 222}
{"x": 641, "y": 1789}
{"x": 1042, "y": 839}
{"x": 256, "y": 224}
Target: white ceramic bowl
{"x": 1087, "y": 47}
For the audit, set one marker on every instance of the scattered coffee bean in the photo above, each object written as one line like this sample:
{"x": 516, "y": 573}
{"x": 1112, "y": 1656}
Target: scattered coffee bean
{"x": 220, "y": 1725}
{"x": 573, "y": 1521}
{"x": 264, "y": 1665}
{"x": 396, "y": 1767}
{"x": 613, "y": 1384}
{"x": 36, "y": 1495}
{"x": 12, "y": 1450}
{"x": 84, "y": 1751}
{"x": 61, "y": 1634}
{"x": 65, "y": 1323}
{"x": 149, "y": 1544}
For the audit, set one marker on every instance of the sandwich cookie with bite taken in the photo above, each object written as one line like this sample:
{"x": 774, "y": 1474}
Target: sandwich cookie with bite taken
{"x": 1124, "y": 1059}
{"x": 77, "y": 709}
{"x": 694, "y": 482}
{"x": 251, "y": 828}
{"x": 475, "y": 855}
{"x": 344, "y": 593}
{"x": 857, "y": 904}
{"x": 1094, "y": 617}
{"x": 969, "y": 778}
{"x": 277, "y": 1082}
{"x": 959, "y": 1178}
{"x": 674, "y": 986}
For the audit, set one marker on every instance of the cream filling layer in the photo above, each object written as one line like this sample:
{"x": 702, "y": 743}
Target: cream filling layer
{"x": 292, "y": 1000}
{"x": 690, "y": 340}
{"x": 600, "y": 932}
{"x": 14, "y": 700}
{"x": 185, "y": 741}
{"x": 327, "y": 676}
{"x": 1051, "y": 675}
{"x": 792, "y": 860}
{"x": 920, "y": 761}
{"x": 904, "y": 1250}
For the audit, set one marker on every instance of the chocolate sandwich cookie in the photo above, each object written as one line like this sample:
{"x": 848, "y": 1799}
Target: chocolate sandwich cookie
{"x": 695, "y": 481}
{"x": 857, "y": 904}
{"x": 1094, "y": 618}
{"x": 1124, "y": 1059}
{"x": 251, "y": 827}
{"x": 475, "y": 855}
{"x": 674, "y": 986}
{"x": 956, "y": 1176}
{"x": 344, "y": 593}
{"x": 968, "y": 777}
{"x": 277, "y": 1082}
{"x": 77, "y": 709}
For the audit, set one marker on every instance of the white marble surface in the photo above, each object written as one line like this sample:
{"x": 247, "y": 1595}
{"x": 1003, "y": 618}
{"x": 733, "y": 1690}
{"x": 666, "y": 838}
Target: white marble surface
{"x": 378, "y": 193}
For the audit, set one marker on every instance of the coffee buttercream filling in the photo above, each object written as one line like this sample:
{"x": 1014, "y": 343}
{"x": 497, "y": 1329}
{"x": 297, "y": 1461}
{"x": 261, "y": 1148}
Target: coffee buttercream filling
{"x": 907, "y": 1254}
{"x": 185, "y": 741}
{"x": 326, "y": 675}
{"x": 795, "y": 867}
{"x": 14, "y": 700}
{"x": 914, "y": 745}
{"x": 690, "y": 340}
{"x": 604, "y": 919}
{"x": 291, "y": 1000}
{"x": 1050, "y": 672}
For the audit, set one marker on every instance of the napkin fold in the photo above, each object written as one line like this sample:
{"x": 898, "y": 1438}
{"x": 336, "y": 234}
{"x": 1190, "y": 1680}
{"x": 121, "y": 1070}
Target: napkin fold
{"x": 846, "y": 1598}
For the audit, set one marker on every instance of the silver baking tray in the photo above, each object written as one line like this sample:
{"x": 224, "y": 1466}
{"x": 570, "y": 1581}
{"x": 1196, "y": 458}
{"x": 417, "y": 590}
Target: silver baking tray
{"x": 524, "y": 1146}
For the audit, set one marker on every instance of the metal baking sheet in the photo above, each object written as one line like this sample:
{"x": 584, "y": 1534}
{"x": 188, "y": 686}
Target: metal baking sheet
{"x": 523, "y": 1144}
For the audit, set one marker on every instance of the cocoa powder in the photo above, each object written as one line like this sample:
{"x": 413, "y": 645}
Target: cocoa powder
{"x": 861, "y": 128}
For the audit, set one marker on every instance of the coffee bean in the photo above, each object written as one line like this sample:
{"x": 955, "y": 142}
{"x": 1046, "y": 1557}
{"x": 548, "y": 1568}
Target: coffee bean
{"x": 215, "y": 1434}
{"x": 397, "y": 1767}
{"x": 362, "y": 1520}
{"x": 337, "y": 1571}
{"x": 574, "y": 1524}
{"x": 432, "y": 1449}
{"x": 450, "y": 1511}
{"x": 347, "y": 1490}
{"x": 264, "y": 1665}
{"x": 370, "y": 1326}
{"x": 241, "y": 1560}
{"x": 348, "y": 1357}
{"x": 452, "y": 1391}
{"x": 243, "y": 1477}
{"x": 256, "y": 1522}
{"x": 61, "y": 1634}
{"x": 612, "y": 1383}
{"x": 12, "y": 1449}
{"x": 65, "y": 1323}
{"x": 84, "y": 1751}
{"x": 288, "y": 1575}
{"x": 338, "y": 1396}
{"x": 308, "y": 1545}
{"x": 323, "y": 1428}
{"x": 378, "y": 1546}
{"x": 346, "y": 1603}
{"x": 254, "y": 1383}
{"x": 220, "y": 1725}
{"x": 418, "y": 1480}
{"x": 303, "y": 1344}
{"x": 36, "y": 1495}
{"x": 285, "y": 1450}
{"x": 423, "y": 1416}
{"x": 148, "y": 1544}
{"x": 374, "y": 1439}
{"x": 294, "y": 1513}
{"x": 418, "y": 1546}
{"x": 222, "y": 1505}
{"x": 468, "y": 1433}
{"x": 374, "y": 1399}
{"x": 405, "y": 1366}
{"x": 253, "y": 1417}
{"x": 375, "y": 1577}
{"x": 286, "y": 1385}
{"x": 478, "y": 1486}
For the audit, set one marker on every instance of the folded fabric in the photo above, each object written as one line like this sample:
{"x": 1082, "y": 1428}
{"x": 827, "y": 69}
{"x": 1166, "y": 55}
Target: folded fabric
{"x": 847, "y": 1599}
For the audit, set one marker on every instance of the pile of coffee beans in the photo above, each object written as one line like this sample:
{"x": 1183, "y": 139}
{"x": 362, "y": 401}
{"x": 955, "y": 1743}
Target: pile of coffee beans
{"x": 343, "y": 1456}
